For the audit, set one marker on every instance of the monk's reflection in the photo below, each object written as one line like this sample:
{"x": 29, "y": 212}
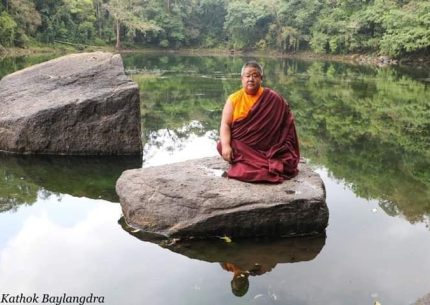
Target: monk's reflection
{"x": 243, "y": 258}
{"x": 240, "y": 281}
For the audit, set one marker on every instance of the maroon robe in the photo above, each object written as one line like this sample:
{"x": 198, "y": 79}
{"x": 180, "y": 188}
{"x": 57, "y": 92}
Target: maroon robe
{"x": 264, "y": 143}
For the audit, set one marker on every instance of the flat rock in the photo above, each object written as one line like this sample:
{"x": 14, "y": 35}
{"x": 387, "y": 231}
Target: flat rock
{"x": 191, "y": 199}
{"x": 79, "y": 104}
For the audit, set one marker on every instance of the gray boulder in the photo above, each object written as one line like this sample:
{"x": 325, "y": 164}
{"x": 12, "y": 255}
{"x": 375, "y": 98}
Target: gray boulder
{"x": 191, "y": 199}
{"x": 79, "y": 104}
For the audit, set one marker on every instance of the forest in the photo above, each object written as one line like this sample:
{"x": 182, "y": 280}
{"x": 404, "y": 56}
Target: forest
{"x": 396, "y": 28}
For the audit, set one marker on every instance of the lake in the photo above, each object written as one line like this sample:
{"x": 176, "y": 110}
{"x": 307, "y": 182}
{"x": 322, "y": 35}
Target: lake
{"x": 365, "y": 130}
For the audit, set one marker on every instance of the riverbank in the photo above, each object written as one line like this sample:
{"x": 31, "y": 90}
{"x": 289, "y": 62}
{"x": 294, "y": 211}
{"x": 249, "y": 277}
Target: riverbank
{"x": 54, "y": 49}
{"x": 358, "y": 59}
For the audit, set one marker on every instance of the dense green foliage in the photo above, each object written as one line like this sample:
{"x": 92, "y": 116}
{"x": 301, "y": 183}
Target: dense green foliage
{"x": 392, "y": 27}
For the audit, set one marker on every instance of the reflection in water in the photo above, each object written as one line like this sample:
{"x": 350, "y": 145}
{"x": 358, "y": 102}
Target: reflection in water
{"x": 370, "y": 127}
{"x": 176, "y": 145}
{"x": 12, "y": 64}
{"x": 244, "y": 258}
{"x": 240, "y": 282}
{"x": 23, "y": 178}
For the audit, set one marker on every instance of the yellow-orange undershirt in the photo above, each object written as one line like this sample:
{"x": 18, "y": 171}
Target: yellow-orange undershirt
{"x": 243, "y": 102}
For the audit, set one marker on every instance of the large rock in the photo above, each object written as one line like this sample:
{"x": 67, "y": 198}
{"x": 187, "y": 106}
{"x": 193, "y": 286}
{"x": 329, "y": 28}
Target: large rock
{"x": 191, "y": 199}
{"x": 79, "y": 104}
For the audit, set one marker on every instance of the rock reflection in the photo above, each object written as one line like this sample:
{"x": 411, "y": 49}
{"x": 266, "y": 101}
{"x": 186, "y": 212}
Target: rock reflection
{"x": 24, "y": 178}
{"x": 244, "y": 258}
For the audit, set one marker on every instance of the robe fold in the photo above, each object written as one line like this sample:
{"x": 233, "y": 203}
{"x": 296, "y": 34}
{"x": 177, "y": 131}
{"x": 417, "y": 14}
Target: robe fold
{"x": 264, "y": 143}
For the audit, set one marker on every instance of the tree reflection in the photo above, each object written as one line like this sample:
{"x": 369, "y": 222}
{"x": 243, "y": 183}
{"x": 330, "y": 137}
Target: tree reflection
{"x": 12, "y": 64}
{"x": 25, "y": 178}
{"x": 368, "y": 126}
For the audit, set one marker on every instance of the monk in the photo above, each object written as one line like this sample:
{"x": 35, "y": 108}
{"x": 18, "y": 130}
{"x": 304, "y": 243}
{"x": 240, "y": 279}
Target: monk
{"x": 257, "y": 132}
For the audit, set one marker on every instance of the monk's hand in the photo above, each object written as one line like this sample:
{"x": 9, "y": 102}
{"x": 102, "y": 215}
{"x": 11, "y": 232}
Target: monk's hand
{"x": 227, "y": 153}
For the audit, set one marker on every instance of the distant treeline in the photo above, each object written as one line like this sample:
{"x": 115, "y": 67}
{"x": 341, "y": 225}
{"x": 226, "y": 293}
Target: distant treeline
{"x": 391, "y": 27}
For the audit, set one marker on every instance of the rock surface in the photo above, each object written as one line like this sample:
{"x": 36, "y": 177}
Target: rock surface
{"x": 191, "y": 199}
{"x": 79, "y": 104}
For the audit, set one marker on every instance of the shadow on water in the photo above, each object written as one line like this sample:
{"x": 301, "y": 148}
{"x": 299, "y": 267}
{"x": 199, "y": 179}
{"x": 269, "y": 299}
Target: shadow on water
{"x": 244, "y": 258}
{"x": 24, "y": 178}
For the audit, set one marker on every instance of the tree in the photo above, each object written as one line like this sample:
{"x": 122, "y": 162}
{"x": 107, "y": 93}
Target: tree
{"x": 102, "y": 24}
{"x": 49, "y": 10}
{"x": 407, "y": 29}
{"x": 5, "y": 4}
{"x": 25, "y": 14}
{"x": 392, "y": 27}
{"x": 126, "y": 13}
{"x": 83, "y": 18}
{"x": 7, "y": 29}
{"x": 241, "y": 24}
{"x": 209, "y": 19}
{"x": 295, "y": 19}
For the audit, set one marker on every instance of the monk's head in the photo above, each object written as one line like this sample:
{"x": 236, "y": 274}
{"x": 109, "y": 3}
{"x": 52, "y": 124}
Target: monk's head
{"x": 240, "y": 284}
{"x": 251, "y": 77}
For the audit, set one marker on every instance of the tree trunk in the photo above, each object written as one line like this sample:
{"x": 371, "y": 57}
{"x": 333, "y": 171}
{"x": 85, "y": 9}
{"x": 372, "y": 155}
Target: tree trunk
{"x": 99, "y": 20}
{"x": 118, "y": 33}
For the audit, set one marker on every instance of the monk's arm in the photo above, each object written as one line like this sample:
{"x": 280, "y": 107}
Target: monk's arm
{"x": 225, "y": 131}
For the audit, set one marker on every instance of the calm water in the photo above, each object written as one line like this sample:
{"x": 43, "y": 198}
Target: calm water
{"x": 366, "y": 131}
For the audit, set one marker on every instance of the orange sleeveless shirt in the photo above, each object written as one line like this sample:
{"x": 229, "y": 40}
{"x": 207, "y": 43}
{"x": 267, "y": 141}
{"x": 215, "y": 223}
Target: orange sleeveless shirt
{"x": 243, "y": 102}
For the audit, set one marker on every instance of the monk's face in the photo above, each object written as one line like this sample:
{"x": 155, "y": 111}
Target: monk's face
{"x": 251, "y": 80}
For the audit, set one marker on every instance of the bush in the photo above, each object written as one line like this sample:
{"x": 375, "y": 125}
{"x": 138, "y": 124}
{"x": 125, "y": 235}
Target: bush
{"x": 21, "y": 40}
{"x": 319, "y": 42}
{"x": 99, "y": 42}
{"x": 8, "y": 28}
{"x": 164, "y": 43}
{"x": 262, "y": 44}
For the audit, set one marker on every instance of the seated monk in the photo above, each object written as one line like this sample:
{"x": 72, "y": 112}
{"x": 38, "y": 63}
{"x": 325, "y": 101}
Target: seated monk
{"x": 257, "y": 132}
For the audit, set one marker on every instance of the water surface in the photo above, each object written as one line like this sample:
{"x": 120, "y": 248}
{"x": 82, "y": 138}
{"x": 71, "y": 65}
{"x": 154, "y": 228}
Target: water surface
{"x": 365, "y": 130}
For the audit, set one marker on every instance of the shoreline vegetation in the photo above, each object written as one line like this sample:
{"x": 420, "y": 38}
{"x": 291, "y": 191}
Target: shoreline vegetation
{"x": 376, "y": 32}
{"x": 357, "y": 59}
